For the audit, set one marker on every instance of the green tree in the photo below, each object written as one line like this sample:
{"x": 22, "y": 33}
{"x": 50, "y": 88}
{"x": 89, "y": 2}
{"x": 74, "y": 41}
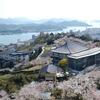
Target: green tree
{"x": 86, "y": 37}
{"x": 63, "y": 63}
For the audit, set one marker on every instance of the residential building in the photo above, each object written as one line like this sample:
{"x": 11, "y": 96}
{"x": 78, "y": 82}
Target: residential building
{"x": 21, "y": 56}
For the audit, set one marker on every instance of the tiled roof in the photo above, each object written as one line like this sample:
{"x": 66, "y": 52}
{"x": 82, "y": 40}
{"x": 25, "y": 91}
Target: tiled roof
{"x": 70, "y": 47}
{"x": 86, "y": 53}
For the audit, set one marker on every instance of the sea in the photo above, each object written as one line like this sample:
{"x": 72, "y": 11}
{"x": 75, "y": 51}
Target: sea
{"x": 14, "y": 38}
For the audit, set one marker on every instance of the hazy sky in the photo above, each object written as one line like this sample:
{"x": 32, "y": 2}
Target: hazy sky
{"x": 41, "y": 9}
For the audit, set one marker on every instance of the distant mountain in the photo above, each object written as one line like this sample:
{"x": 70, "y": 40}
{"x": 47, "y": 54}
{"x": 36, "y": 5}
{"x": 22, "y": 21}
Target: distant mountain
{"x": 66, "y": 22}
{"x": 55, "y": 21}
{"x": 21, "y": 25}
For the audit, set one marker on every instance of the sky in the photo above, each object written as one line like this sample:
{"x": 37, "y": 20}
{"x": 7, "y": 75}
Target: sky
{"x": 45, "y": 9}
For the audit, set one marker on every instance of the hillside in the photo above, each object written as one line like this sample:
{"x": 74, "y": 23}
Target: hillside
{"x": 82, "y": 85}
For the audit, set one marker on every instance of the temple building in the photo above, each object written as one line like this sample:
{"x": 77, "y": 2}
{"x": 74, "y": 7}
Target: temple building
{"x": 79, "y": 56}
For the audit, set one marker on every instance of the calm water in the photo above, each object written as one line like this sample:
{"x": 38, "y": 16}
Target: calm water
{"x": 7, "y": 39}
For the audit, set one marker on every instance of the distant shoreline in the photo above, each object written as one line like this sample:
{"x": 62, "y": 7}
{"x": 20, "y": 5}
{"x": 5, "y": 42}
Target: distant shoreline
{"x": 9, "y": 38}
{"x": 38, "y": 31}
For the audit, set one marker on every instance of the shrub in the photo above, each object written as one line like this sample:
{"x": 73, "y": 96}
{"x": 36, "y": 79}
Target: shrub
{"x": 57, "y": 93}
{"x": 63, "y": 64}
{"x": 16, "y": 81}
{"x": 98, "y": 86}
{"x": 11, "y": 87}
